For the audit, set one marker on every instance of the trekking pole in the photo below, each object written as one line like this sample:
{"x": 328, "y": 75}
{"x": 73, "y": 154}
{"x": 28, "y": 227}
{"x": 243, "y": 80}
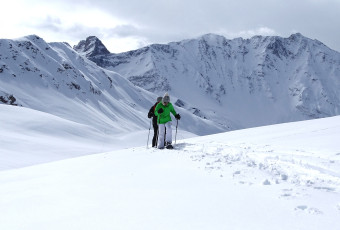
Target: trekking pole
{"x": 156, "y": 142}
{"x": 176, "y": 131}
{"x": 147, "y": 144}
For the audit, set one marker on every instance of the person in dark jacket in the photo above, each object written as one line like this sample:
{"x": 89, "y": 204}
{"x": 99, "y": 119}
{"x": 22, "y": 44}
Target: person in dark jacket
{"x": 152, "y": 115}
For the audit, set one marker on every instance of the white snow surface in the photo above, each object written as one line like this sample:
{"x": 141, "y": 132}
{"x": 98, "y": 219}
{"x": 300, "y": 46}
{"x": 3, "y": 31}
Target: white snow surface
{"x": 283, "y": 176}
{"x": 30, "y": 137}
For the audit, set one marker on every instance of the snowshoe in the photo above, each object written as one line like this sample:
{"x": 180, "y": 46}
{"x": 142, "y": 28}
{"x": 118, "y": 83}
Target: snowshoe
{"x": 169, "y": 146}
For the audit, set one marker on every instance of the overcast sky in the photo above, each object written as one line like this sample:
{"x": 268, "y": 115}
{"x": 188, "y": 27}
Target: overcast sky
{"x": 124, "y": 25}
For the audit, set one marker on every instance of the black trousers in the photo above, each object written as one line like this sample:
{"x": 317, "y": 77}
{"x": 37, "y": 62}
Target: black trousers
{"x": 155, "y": 135}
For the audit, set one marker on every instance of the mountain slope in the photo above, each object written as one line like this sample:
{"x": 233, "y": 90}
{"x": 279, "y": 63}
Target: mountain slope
{"x": 257, "y": 81}
{"x": 29, "y": 137}
{"x": 55, "y": 79}
{"x": 275, "y": 177}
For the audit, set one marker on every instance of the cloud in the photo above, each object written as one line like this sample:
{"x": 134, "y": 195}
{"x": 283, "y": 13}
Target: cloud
{"x": 162, "y": 21}
{"x": 49, "y": 23}
{"x": 264, "y": 31}
{"x": 125, "y": 31}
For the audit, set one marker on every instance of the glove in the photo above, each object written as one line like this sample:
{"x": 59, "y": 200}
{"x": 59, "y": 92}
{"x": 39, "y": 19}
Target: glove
{"x": 150, "y": 115}
{"x": 160, "y": 110}
{"x": 178, "y": 117}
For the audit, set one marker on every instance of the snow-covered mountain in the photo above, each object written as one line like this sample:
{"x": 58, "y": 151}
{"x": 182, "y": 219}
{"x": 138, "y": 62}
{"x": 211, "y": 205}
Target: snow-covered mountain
{"x": 281, "y": 177}
{"x": 53, "y": 78}
{"x": 216, "y": 84}
{"x": 239, "y": 82}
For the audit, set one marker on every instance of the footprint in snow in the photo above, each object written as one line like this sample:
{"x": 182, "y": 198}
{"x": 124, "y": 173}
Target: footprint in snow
{"x": 286, "y": 195}
{"x": 236, "y": 173}
{"x": 314, "y": 211}
{"x": 327, "y": 189}
{"x": 301, "y": 207}
{"x": 245, "y": 183}
{"x": 266, "y": 182}
{"x": 284, "y": 177}
{"x": 305, "y": 208}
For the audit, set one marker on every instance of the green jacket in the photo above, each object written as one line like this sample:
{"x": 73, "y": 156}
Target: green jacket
{"x": 165, "y": 116}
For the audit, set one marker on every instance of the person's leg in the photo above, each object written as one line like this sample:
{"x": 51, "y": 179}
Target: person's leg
{"x": 168, "y": 138}
{"x": 161, "y": 130}
{"x": 155, "y": 135}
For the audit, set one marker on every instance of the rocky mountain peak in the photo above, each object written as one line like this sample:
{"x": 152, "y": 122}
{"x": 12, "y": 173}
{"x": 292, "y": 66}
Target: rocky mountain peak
{"x": 296, "y": 36}
{"x": 92, "y": 46}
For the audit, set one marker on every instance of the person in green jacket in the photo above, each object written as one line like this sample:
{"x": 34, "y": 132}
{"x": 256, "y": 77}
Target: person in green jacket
{"x": 162, "y": 111}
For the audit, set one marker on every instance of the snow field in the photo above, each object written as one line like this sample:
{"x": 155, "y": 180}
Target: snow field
{"x": 143, "y": 188}
{"x": 274, "y": 177}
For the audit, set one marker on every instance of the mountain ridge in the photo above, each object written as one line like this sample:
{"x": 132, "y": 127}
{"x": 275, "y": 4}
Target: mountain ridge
{"x": 296, "y": 75}
{"x": 54, "y": 78}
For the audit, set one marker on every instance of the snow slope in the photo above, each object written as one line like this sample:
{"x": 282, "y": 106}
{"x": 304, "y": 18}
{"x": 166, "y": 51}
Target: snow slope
{"x": 53, "y": 78}
{"x": 275, "y": 177}
{"x": 30, "y": 137}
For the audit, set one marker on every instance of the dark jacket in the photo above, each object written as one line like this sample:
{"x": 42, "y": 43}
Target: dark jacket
{"x": 152, "y": 114}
